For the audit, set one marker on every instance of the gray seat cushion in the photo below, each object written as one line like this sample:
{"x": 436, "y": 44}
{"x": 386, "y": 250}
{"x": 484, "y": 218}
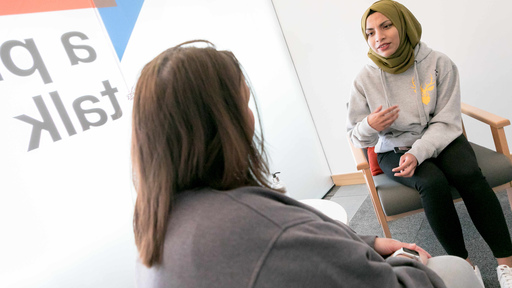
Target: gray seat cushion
{"x": 397, "y": 198}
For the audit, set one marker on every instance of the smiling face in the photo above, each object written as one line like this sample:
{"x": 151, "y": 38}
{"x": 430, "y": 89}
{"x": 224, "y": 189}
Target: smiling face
{"x": 382, "y": 35}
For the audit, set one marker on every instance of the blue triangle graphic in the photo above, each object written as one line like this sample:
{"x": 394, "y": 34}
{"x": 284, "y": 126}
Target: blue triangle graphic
{"x": 119, "y": 22}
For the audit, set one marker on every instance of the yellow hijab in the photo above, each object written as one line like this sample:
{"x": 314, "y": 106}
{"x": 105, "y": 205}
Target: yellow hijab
{"x": 409, "y": 31}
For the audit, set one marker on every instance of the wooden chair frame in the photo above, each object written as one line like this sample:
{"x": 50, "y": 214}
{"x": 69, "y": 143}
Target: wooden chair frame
{"x": 496, "y": 124}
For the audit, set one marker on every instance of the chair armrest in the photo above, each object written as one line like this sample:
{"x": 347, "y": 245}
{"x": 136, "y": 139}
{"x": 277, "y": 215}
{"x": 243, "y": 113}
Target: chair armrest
{"x": 496, "y": 124}
{"x": 484, "y": 116}
{"x": 357, "y": 153}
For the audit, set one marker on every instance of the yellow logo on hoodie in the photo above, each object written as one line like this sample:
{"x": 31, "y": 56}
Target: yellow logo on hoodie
{"x": 425, "y": 96}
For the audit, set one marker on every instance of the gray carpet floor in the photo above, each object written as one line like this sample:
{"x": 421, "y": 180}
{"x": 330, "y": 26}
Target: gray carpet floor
{"x": 415, "y": 229}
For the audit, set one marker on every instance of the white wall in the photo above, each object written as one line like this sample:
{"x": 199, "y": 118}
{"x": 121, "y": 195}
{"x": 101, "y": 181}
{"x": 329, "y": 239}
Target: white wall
{"x": 328, "y": 49}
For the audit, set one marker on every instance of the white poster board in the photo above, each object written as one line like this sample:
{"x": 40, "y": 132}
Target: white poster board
{"x": 65, "y": 207}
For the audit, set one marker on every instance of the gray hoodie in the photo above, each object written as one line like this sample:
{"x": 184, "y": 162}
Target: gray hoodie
{"x": 428, "y": 96}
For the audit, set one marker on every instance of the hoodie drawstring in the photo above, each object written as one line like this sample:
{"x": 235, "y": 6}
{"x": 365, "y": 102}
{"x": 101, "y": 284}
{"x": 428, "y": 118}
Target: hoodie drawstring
{"x": 419, "y": 106}
{"x": 421, "y": 111}
{"x": 384, "y": 88}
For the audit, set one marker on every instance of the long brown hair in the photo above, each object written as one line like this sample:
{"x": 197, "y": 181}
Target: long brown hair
{"x": 191, "y": 129}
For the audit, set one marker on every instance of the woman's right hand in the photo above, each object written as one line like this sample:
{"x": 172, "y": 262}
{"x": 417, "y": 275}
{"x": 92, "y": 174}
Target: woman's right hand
{"x": 381, "y": 119}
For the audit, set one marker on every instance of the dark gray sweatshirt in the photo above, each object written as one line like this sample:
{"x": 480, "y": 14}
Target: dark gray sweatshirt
{"x": 254, "y": 237}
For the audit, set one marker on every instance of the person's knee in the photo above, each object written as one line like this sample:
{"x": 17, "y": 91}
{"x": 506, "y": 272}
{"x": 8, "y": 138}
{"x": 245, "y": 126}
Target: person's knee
{"x": 455, "y": 271}
{"x": 430, "y": 179}
{"x": 434, "y": 190}
{"x": 447, "y": 261}
{"x": 468, "y": 177}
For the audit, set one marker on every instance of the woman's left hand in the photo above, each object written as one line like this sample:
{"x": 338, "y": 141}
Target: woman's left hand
{"x": 387, "y": 246}
{"x": 407, "y": 166}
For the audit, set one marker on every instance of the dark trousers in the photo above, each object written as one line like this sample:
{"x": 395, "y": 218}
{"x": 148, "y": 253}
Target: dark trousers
{"x": 456, "y": 165}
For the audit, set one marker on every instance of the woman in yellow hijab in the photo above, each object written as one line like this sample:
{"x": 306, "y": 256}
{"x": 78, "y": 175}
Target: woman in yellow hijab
{"x": 406, "y": 103}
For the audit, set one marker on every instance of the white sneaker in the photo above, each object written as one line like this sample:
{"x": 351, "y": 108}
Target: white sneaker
{"x": 504, "y": 276}
{"x": 479, "y": 275}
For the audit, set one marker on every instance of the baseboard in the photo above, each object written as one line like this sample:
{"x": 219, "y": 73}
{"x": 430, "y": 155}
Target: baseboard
{"x": 348, "y": 179}
{"x": 358, "y": 178}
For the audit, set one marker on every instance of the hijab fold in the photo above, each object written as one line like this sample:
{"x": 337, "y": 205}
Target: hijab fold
{"x": 409, "y": 31}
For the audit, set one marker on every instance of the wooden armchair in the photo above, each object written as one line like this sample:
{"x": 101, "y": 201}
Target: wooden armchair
{"x": 392, "y": 200}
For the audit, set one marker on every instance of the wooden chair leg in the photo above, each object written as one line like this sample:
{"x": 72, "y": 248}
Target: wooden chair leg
{"x": 377, "y": 206}
{"x": 509, "y": 194}
{"x": 385, "y": 229}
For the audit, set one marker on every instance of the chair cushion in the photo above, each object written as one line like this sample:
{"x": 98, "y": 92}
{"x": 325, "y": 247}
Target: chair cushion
{"x": 397, "y": 198}
{"x": 497, "y": 168}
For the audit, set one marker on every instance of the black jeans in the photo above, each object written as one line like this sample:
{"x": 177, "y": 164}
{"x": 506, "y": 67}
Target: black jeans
{"x": 456, "y": 165}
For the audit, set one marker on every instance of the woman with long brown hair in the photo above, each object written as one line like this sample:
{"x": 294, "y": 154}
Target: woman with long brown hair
{"x": 205, "y": 215}
{"x": 189, "y": 132}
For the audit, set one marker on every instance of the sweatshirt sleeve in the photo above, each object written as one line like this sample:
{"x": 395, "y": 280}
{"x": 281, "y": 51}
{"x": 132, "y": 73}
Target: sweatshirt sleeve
{"x": 321, "y": 254}
{"x": 360, "y": 132}
{"x": 445, "y": 124}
